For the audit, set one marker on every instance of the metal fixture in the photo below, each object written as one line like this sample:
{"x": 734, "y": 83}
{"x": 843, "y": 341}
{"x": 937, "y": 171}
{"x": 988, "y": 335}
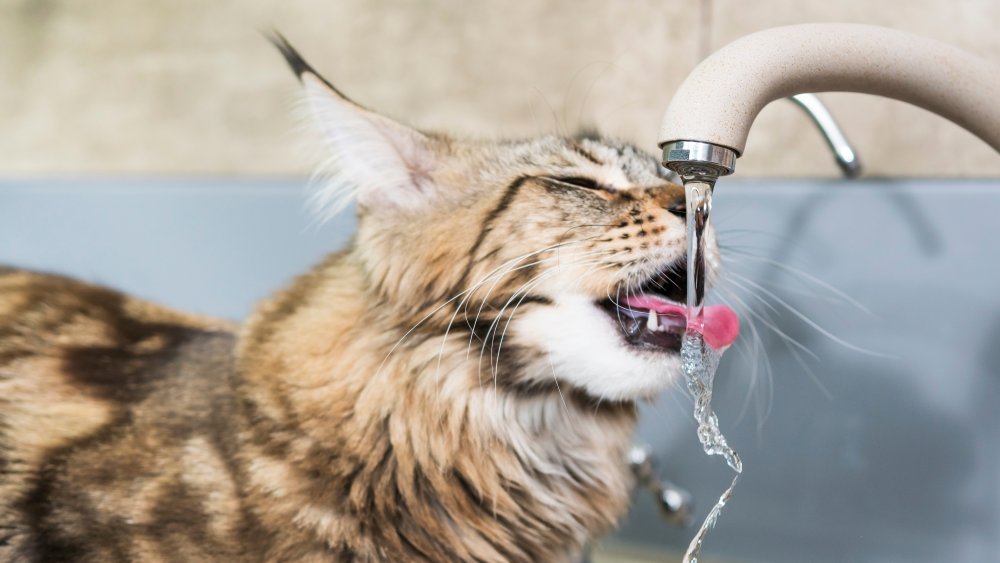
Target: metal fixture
{"x": 695, "y": 160}
{"x": 674, "y": 502}
{"x": 706, "y": 162}
{"x": 845, "y": 156}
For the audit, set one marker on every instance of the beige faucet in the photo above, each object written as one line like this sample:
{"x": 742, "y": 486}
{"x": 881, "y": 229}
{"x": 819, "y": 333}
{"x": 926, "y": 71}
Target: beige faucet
{"x": 706, "y": 125}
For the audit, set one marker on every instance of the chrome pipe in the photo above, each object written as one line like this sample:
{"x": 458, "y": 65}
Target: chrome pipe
{"x": 845, "y": 155}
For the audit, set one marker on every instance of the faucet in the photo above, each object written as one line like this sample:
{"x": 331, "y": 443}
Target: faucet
{"x": 706, "y": 125}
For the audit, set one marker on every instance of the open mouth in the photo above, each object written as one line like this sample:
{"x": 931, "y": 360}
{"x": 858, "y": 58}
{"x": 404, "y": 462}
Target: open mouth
{"x": 653, "y": 315}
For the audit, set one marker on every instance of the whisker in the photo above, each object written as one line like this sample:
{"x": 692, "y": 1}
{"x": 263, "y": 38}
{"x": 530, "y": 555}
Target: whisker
{"x": 523, "y": 290}
{"x": 762, "y": 317}
{"x": 453, "y": 298}
{"x": 756, "y": 355}
{"x": 556, "y": 381}
{"x": 809, "y": 277}
{"x": 816, "y": 326}
{"x": 490, "y": 336}
{"x": 471, "y": 291}
{"x": 490, "y": 291}
{"x": 790, "y": 343}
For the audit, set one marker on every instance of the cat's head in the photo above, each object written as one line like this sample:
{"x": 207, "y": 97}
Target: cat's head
{"x": 544, "y": 255}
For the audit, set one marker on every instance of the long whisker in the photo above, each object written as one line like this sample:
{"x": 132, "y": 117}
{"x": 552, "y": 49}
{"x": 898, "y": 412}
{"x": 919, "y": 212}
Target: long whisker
{"x": 486, "y": 298}
{"x": 814, "y": 325}
{"x": 453, "y": 298}
{"x": 490, "y": 291}
{"x": 489, "y": 337}
{"x": 510, "y": 318}
{"x": 768, "y": 322}
{"x": 491, "y": 333}
{"x": 464, "y": 306}
{"x": 788, "y": 341}
{"x": 556, "y": 381}
{"x": 808, "y": 277}
{"x": 523, "y": 290}
{"x": 756, "y": 355}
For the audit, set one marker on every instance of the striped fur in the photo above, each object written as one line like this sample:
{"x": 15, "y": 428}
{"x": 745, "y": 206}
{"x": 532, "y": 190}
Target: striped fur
{"x": 414, "y": 397}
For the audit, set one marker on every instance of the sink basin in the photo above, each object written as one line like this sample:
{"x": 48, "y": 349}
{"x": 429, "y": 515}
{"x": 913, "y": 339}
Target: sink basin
{"x": 884, "y": 456}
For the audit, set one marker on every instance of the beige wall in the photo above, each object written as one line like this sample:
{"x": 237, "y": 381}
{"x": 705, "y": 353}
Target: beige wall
{"x": 190, "y": 87}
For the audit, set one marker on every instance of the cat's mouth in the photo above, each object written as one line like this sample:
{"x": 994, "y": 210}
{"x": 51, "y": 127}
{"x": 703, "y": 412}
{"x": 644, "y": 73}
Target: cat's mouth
{"x": 653, "y": 315}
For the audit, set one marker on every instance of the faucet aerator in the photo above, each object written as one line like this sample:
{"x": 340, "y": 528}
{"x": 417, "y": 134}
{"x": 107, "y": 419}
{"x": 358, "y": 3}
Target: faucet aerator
{"x": 699, "y": 161}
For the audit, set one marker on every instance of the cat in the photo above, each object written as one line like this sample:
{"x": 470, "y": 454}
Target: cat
{"x": 458, "y": 384}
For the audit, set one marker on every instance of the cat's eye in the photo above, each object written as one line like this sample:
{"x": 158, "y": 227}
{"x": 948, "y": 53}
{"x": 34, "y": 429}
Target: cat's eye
{"x": 580, "y": 182}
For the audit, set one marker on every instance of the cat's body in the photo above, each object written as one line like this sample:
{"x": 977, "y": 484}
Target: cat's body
{"x": 116, "y": 420}
{"x": 459, "y": 384}
{"x": 129, "y": 434}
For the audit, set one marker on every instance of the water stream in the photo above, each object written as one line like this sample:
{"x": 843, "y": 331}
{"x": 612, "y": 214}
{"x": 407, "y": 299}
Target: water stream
{"x": 699, "y": 360}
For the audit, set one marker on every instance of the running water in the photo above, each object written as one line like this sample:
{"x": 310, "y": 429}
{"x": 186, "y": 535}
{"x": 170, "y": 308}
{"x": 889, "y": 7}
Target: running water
{"x": 699, "y": 360}
{"x": 698, "y": 200}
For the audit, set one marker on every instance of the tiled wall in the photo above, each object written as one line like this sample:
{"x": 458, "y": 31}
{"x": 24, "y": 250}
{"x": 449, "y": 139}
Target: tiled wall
{"x": 190, "y": 86}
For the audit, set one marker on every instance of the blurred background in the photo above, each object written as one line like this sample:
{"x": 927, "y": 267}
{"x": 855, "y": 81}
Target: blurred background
{"x": 154, "y": 147}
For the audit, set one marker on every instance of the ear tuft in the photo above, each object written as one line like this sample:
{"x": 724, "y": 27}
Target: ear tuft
{"x": 292, "y": 57}
{"x": 299, "y": 66}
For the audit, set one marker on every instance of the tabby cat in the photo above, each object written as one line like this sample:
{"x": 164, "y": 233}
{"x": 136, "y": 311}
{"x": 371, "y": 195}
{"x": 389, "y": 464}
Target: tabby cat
{"x": 458, "y": 384}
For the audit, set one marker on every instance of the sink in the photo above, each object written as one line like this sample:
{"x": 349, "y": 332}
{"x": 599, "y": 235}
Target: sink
{"x": 873, "y": 458}
{"x": 890, "y": 455}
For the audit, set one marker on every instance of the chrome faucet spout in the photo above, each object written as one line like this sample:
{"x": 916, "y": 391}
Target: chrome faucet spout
{"x": 696, "y": 161}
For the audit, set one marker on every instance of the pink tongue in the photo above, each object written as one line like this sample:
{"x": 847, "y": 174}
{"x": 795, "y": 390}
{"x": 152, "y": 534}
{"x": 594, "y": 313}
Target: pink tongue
{"x": 720, "y": 328}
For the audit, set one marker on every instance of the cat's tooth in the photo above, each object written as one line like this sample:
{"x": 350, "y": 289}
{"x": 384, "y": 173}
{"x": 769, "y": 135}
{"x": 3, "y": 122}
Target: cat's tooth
{"x": 652, "y": 323}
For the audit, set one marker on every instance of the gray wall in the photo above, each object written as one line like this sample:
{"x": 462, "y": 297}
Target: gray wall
{"x": 212, "y": 246}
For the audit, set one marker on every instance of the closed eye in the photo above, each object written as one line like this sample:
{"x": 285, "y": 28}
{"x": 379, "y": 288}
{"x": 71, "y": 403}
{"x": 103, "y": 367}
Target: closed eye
{"x": 580, "y": 182}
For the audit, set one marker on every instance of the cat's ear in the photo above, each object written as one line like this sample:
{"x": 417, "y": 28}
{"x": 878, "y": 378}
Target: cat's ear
{"x": 378, "y": 161}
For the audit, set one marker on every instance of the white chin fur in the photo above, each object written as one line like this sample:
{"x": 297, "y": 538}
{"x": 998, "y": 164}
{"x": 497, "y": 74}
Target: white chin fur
{"x": 588, "y": 351}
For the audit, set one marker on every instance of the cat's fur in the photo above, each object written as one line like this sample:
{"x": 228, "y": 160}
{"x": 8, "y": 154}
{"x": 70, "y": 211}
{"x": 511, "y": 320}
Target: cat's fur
{"x": 443, "y": 389}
